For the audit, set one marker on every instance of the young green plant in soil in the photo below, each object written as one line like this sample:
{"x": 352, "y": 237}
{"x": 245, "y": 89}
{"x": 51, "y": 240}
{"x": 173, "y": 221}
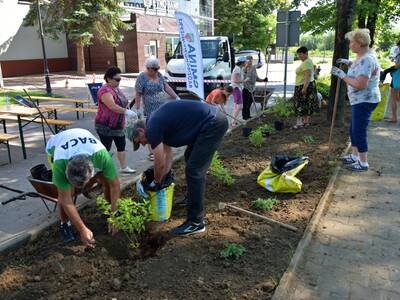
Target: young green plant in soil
{"x": 309, "y": 139}
{"x": 130, "y": 217}
{"x": 256, "y": 137}
{"x": 267, "y": 128}
{"x": 282, "y": 108}
{"x": 233, "y": 251}
{"x": 264, "y": 204}
{"x": 218, "y": 170}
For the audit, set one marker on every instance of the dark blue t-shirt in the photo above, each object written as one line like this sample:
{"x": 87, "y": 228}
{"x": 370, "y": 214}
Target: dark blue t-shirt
{"x": 178, "y": 123}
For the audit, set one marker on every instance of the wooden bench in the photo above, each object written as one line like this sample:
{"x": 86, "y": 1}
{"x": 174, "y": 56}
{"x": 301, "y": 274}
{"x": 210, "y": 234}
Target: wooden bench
{"x": 4, "y": 139}
{"x": 78, "y": 102}
{"x": 59, "y": 125}
{"x": 56, "y": 108}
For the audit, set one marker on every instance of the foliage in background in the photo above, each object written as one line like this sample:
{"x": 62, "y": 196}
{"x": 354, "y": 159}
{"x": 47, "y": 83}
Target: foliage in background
{"x": 233, "y": 251}
{"x": 130, "y": 217}
{"x": 323, "y": 85}
{"x": 282, "y": 108}
{"x": 82, "y": 20}
{"x": 218, "y": 170}
{"x": 248, "y": 21}
{"x": 264, "y": 204}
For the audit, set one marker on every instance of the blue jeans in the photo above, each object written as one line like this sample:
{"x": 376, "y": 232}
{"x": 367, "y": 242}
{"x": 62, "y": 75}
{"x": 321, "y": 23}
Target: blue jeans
{"x": 360, "y": 114}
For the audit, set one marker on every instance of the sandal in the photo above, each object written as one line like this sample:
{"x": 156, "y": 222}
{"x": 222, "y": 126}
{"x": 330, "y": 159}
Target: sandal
{"x": 151, "y": 156}
{"x": 391, "y": 121}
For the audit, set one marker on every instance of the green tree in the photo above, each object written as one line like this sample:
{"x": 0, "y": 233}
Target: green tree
{"x": 81, "y": 21}
{"x": 247, "y": 20}
{"x": 345, "y": 12}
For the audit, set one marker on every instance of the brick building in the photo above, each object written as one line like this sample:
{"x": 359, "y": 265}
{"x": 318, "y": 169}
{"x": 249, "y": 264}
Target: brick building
{"x": 154, "y": 33}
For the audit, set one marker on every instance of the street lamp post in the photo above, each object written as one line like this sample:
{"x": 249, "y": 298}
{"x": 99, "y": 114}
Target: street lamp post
{"x": 46, "y": 66}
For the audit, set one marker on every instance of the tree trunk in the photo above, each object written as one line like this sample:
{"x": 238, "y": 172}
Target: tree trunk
{"x": 362, "y": 15}
{"x": 344, "y": 19}
{"x": 80, "y": 59}
{"x": 372, "y": 18}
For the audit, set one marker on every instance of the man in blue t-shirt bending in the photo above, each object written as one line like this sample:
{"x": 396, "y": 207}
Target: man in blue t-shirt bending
{"x": 194, "y": 124}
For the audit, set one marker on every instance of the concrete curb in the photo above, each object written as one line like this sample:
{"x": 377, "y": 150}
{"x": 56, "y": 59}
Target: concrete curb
{"x": 283, "y": 289}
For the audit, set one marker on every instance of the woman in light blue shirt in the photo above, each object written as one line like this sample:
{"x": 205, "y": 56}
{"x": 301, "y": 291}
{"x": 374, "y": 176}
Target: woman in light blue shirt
{"x": 362, "y": 81}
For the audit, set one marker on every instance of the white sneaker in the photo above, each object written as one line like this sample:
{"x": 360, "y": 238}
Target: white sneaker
{"x": 127, "y": 170}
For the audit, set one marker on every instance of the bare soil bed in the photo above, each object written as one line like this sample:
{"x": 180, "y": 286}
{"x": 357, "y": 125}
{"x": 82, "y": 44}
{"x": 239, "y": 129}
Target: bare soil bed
{"x": 188, "y": 268}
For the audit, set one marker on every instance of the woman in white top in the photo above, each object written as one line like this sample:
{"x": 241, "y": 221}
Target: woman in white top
{"x": 237, "y": 85}
{"x": 362, "y": 81}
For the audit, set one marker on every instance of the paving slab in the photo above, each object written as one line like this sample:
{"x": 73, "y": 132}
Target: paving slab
{"x": 354, "y": 252}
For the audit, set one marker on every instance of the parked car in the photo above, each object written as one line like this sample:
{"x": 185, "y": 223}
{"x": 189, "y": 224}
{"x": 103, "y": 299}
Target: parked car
{"x": 258, "y": 56}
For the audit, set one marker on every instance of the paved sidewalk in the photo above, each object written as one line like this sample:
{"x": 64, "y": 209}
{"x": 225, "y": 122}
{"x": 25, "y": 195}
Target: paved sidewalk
{"x": 355, "y": 250}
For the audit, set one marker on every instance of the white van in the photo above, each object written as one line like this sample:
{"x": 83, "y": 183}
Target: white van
{"x": 218, "y": 63}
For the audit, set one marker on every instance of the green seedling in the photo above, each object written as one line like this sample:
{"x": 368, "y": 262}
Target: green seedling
{"x": 256, "y": 138}
{"x": 233, "y": 251}
{"x": 265, "y": 204}
{"x": 218, "y": 170}
{"x": 129, "y": 218}
{"x": 267, "y": 128}
{"x": 309, "y": 139}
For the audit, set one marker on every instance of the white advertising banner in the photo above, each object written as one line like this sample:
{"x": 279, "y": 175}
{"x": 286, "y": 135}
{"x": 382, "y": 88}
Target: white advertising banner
{"x": 191, "y": 50}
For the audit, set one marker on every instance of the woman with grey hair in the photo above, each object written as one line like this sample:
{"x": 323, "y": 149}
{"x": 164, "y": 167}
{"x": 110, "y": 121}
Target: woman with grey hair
{"x": 151, "y": 88}
{"x": 362, "y": 81}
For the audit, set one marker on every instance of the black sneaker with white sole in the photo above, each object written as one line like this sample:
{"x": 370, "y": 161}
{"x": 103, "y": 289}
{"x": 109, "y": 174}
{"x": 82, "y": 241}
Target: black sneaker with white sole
{"x": 357, "y": 167}
{"x": 189, "y": 227}
{"x": 348, "y": 160}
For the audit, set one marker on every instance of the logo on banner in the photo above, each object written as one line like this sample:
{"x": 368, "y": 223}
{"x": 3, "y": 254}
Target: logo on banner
{"x": 189, "y": 37}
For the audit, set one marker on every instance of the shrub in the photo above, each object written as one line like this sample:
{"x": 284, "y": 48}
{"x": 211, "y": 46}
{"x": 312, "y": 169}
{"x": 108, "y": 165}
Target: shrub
{"x": 324, "y": 85}
{"x": 267, "y": 128}
{"x": 129, "y": 218}
{"x": 233, "y": 251}
{"x": 283, "y": 108}
{"x": 256, "y": 137}
{"x": 265, "y": 204}
{"x": 218, "y": 170}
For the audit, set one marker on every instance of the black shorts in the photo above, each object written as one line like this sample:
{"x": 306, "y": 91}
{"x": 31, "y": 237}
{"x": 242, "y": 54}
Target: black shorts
{"x": 119, "y": 141}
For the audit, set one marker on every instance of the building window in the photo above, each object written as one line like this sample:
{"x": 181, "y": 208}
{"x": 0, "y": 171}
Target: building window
{"x": 171, "y": 43}
{"x": 150, "y": 49}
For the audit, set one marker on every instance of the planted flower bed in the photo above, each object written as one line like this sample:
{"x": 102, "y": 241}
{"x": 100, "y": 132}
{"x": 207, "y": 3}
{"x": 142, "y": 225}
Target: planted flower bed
{"x": 238, "y": 257}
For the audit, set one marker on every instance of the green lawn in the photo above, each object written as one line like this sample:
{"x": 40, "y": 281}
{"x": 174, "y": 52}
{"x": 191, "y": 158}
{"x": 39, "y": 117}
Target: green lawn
{"x": 13, "y": 93}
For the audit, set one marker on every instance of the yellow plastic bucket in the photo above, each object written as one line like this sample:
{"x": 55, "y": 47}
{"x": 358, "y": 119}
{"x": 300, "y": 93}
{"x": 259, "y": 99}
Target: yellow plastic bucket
{"x": 161, "y": 203}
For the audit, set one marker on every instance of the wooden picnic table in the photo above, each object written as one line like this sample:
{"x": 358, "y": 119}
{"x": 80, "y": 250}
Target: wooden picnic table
{"x": 78, "y": 102}
{"x": 20, "y": 111}
{"x": 82, "y": 110}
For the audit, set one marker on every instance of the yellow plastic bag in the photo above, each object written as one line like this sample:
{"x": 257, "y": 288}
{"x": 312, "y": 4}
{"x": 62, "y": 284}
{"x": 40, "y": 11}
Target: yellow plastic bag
{"x": 161, "y": 203}
{"x": 379, "y": 112}
{"x": 281, "y": 183}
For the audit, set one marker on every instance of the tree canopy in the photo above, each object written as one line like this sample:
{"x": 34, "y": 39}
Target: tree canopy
{"x": 248, "y": 20}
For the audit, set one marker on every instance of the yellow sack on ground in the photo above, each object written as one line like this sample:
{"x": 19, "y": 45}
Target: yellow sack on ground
{"x": 281, "y": 183}
{"x": 379, "y": 112}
